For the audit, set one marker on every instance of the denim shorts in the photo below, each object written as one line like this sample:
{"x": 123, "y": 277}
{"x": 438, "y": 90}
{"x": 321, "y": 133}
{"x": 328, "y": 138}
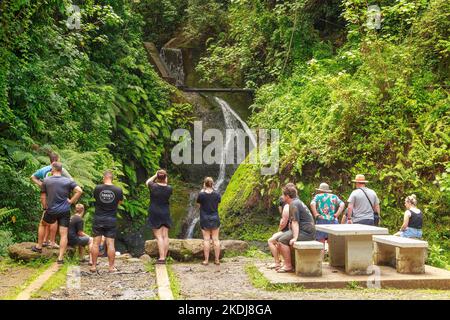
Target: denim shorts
{"x": 323, "y": 235}
{"x": 411, "y": 233}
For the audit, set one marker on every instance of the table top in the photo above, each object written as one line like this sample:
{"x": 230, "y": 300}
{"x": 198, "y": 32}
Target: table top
{"x": 354, "y": 229}
{"x": 401, "y": 242}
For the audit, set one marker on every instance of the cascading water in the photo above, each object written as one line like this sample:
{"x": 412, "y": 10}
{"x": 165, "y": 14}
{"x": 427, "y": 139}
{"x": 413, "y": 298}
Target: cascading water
{"x": 173, "y": 60}
{"x": 233, "y": 122}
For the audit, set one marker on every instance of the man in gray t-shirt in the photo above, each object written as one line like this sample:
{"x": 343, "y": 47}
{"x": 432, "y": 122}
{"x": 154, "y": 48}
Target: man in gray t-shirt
{"x": 360, "y": 209}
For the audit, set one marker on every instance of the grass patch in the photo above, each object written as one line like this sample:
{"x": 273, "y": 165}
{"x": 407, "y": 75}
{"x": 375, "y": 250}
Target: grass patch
{"x": 58, "y": 279}
{"x": 258, "y": 280}
{"x": 354, "y": 285}
{"x": 150, "y": 267}
{"x": 40, "y": 265}
{"x": 174, "y": 282}
{"x": 252, "y": 252}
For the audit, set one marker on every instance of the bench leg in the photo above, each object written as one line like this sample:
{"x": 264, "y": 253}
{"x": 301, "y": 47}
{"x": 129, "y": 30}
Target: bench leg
{"x": 410, "y": 260}
{"x": 358, "y": 254}
{"x": 308, "y": 263}
{"x": 336, "y": 248}
{"x": 384, "y": 255}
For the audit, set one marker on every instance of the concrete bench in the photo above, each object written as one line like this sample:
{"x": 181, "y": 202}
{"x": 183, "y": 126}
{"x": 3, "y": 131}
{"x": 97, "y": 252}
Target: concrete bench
{"x": 308, "y": 258}
{"x": 405, "y": 254}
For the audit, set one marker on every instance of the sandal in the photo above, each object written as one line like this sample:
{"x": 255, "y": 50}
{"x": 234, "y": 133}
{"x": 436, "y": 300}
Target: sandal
{"x": 60, "y": 261}
{"x": 92, "y": 271}
{"x": 204, "y": 263}
{"x": 160, "y": 261}
{"x": 36, "y": 249}
{"x": 283, "y": 270}
{"x": 53, "y": 246}
{"x": 274, "y": 266}
{"x": 217, "y": 263}
{"x": 45, "y": 244}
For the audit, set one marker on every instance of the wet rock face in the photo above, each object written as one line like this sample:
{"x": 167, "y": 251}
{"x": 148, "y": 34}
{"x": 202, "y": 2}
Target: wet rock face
{"x": 133, "y": 243}
{"x": 191, "y": 249}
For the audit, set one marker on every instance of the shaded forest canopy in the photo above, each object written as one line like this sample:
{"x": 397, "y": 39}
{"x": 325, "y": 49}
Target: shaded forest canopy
{"x": 347, "y": 99}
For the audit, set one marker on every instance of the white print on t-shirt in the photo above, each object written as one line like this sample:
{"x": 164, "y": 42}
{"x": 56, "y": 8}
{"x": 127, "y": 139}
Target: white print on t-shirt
{"x": 107, "y": 196}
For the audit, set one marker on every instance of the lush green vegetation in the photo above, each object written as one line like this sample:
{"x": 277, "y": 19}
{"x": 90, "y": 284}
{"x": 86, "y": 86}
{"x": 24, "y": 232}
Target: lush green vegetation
{"x": 347, "y": 99}
{"x": 89, "y": 94}
{"x": 376, "y": 104}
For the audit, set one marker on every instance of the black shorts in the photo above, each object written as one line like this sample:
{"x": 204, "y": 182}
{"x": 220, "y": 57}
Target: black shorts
{"x": 79, "y": 241}
{"x": 63, "y": 219}
{"x": 99, "y": 230}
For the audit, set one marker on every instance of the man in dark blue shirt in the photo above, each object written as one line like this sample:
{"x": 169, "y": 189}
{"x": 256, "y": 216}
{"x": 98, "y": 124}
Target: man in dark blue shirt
{"x": 55, "y": 192}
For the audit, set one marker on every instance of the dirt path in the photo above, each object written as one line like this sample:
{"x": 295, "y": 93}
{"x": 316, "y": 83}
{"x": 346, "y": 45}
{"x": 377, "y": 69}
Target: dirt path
{"x": 13, "y": 276}
{"x": 132, "y": 282}
{"x": 230, "y": 281}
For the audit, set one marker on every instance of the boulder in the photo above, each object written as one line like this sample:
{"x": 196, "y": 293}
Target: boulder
{"x": 145, "y": 258}
{"x": 191, "y": 249}
{"x": 22, "y": 251}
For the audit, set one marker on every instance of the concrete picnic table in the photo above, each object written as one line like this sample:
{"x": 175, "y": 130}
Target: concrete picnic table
{"x": 351, "y": 245}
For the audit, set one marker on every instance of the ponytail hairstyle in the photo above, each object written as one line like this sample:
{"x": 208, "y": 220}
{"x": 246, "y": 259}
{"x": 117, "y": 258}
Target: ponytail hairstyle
{"x": 161, "y": 176}
{"x": 412, "y": 199}
{"x": 208, "y": 182}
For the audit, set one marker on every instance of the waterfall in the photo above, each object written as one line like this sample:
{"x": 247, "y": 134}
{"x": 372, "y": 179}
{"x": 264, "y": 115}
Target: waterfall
{"x": 193, "y": 216}
{"x": 173, "y": 60}
{"x": 232, "y": 121}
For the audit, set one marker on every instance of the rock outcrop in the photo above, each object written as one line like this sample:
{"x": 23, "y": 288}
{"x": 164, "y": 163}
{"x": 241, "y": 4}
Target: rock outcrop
{"x": 191, "y": 249}
{"x": 22, "y": 251}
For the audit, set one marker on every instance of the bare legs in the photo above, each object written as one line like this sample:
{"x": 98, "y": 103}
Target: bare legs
{"x": 273, "y": 246}
{"x": 111, "y": 253}
{"x": 162, "y": 239}
{"x": 41, "y": 233}
{"x": 94, "y": 252}
{"x": 51, "y": 236}
{"x": 286, "y": 253}
{"x": 207, "y": 236}
{"x": 81, "y": 250}
{"x": 62, "y": 242}
{"x": 62, "y": 234}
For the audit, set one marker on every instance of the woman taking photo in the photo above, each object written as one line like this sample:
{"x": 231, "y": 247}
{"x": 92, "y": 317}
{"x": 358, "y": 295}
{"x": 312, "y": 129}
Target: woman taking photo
{"x": 159, "y": 214}
{"x": 209, "y": 199}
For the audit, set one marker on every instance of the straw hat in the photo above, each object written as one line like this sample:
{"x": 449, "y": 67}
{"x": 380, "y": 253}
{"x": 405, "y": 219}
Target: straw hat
{"x": 360, "y": 179}
{"x": 324, "y": 187}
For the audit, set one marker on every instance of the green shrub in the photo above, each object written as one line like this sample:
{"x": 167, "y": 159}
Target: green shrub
{"x": 6, "y": 239}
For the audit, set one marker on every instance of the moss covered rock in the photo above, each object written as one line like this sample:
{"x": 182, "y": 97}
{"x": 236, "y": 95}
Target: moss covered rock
{"x": 22, "y": 252}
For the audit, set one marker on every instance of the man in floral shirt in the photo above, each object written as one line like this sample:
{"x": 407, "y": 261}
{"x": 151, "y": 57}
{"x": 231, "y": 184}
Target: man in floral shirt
{"x": 326, "y": 208}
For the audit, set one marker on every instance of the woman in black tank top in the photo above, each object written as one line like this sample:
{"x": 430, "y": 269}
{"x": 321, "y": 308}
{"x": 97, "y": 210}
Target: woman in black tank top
{"x": 412, "y": 219}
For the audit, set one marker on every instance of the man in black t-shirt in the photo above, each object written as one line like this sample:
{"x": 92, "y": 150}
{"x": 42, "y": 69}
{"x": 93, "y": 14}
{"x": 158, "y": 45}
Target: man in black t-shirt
{"x": 77, "y": 237}
{"x": 107, "y": 199}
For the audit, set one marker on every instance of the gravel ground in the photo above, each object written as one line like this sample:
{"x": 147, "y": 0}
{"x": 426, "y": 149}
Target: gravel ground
{"x": 230, "y": 281}
{"x": 132, "y": 282}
